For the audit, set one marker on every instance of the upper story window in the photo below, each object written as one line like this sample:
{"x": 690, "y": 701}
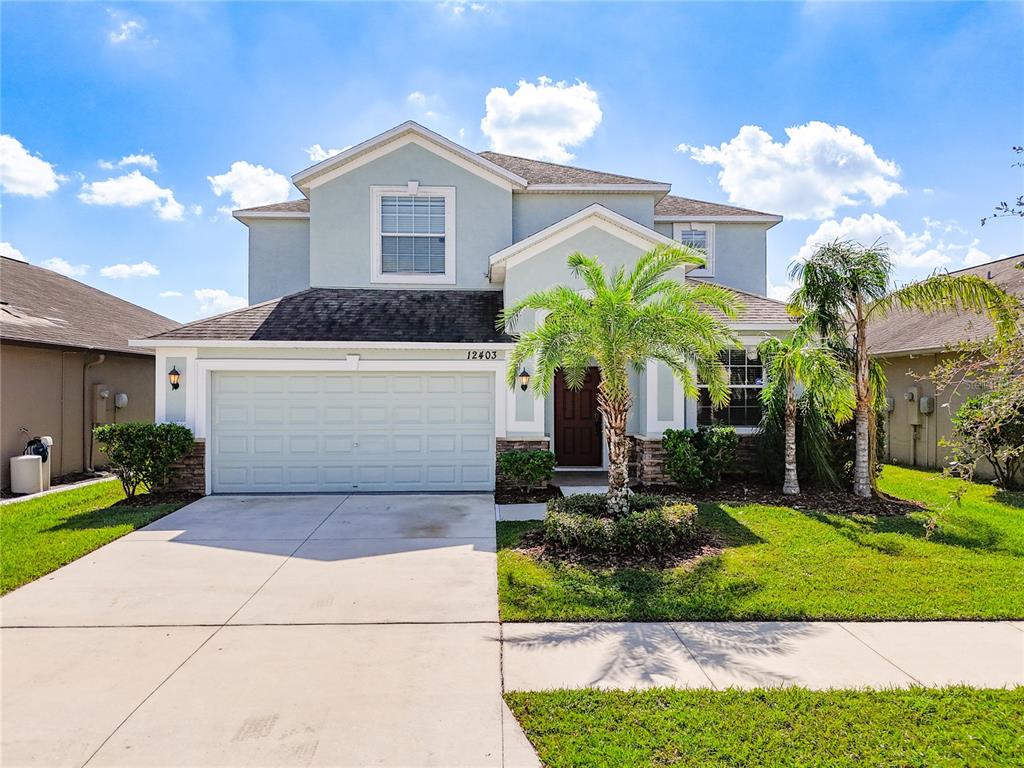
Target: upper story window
{"x": 413, "y": 234}
{"x": 700, "y": 236}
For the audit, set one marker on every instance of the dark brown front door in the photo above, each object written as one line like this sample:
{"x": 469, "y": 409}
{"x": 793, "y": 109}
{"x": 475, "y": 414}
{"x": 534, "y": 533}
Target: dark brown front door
{"x": 577, "y": 422}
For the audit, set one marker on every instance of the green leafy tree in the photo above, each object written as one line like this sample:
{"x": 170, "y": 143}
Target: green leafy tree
{"x": 844, "y": 284}
{"x": 828, "y": 388}
{"x": 143, "y": 454}
{"x": 620, "y": 323}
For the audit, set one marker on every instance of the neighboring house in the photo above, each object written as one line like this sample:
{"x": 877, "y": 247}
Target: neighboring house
{"x": 909, "y": 345}
{"x": 369, "y": 358}
{"x": 61, "y": 344}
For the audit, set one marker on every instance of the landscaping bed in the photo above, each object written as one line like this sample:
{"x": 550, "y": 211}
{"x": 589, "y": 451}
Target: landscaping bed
{"x": 780, "y": 727}
{"x": 760, "y": 562}
{"x": 41, "y": 534}
{"x": 523, "y": 496}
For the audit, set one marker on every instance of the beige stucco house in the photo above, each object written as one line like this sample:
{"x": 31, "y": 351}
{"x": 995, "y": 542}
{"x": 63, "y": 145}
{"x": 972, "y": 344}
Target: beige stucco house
{"x": 910, "y": 345}
{"x": 62, "y": 345}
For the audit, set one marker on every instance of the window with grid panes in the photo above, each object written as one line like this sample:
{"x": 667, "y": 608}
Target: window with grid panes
{"x": 746, "y": 379}
{"x": 412, "y": 234}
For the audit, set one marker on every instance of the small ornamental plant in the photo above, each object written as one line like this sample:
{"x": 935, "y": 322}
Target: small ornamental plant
{"x": 526, "y": 470}
{"x": 142, "y": 454}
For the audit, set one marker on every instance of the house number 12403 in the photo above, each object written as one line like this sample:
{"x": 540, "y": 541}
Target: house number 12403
{"x": 486, "y": 354}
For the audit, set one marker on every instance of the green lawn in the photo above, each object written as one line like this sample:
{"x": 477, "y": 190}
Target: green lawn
{"x": 40, "y": 535}
{"x": 777, "y": 727}
{"x": 781, "y": 563}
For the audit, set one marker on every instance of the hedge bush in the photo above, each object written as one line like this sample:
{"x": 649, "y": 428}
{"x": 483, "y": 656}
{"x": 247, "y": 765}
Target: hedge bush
{"x": 526, "y": 469}
{"x": 696, "y": 460}
{"x": 653, "y": 525}
{"x": 141, "y": 453}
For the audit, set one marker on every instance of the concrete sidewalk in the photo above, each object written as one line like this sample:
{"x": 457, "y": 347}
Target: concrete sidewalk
{"x": 762, "y": 654}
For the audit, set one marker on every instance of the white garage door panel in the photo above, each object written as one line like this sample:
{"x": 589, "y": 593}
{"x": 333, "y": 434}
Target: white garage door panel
{"x": 282, "y": 432}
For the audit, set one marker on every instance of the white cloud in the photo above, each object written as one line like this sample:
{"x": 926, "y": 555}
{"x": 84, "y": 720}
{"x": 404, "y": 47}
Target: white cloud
{"x": 195, "y": 209}
{"x": 132, "y": 190}
{"x": 141, "y": 159}
{"x": 22, "y": 173}
{"x": 65, "y": 267}
{"x": 125, "y": 30}
{"x": 8, "y": 250}
{"x": 820, "y": 168}
{"x": 171, "y": 294}
{"x": 128, "y": 30}
{"x": 319, "y": 154}
{"x": 125, "y": 271}
{"x": 780, "y": 292}
{"x": 213, "y": 301}
{"x": 976, "y": 256}
{"x": 250, "y": 185}
{"x": 459, "y": 7}
{"x": 924, "y": 250}
{"x": 417, "y": 98}
{"x": 541, "y": 120}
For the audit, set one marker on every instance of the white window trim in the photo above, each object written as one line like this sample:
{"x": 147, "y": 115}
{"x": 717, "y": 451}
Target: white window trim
{"x": 678, "y": 227}
{"x": 413, "y": 189}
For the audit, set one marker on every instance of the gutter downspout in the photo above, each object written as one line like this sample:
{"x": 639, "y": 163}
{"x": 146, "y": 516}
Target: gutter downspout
{"x": 87, "y": 416}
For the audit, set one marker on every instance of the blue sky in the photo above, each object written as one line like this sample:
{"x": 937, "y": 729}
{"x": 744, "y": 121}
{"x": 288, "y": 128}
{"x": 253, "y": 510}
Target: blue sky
{"x": 123, "y": 121}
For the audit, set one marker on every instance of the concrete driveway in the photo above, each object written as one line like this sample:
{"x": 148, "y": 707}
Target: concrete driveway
{"x": 275, "y": 630}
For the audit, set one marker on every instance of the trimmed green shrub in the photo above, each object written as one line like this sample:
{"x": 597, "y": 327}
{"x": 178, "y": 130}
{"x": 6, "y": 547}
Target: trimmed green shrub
{"x": 142, "y": 454}
{"x": 696, "y": 460}
{"x": 526, "y": 469}
{"x": 653, "y": 525}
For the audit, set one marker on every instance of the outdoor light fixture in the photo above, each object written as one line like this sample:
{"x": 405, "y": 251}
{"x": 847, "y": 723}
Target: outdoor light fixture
{"x": 174, "y": 377}
{"x": 524, "y": 379}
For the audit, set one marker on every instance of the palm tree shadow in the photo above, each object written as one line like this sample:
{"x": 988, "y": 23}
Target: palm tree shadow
{"x": 726, "y": 529}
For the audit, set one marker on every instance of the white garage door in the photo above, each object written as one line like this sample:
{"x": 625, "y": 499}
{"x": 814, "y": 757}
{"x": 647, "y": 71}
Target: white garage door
{"x": 301, "y": 432}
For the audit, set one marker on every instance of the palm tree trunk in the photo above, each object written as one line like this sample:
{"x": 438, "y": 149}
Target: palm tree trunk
{"x": 791, "y": 485}
{"x": 862, "y": 433}
{"x": 614, "y": 411}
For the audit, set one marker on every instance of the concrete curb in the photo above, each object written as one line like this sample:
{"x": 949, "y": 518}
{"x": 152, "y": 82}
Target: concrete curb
{"x": 57, "y": 489}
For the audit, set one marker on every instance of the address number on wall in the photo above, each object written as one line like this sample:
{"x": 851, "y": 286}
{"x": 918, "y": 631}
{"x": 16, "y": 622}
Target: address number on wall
{"x": 481, "y": 354}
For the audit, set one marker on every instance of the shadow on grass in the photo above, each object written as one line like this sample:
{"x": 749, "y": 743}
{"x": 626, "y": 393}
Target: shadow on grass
{"x": 969, "y": 533}
{"x": 113, "y": 516}
{"x": 729, "y": 531}
{"x": 1010, "y": 498}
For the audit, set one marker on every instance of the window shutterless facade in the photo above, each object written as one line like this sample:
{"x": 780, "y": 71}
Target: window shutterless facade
{"x": 700, "y": 236}
{"x": 413, "y": 238}
{"x": 746, "y": 379}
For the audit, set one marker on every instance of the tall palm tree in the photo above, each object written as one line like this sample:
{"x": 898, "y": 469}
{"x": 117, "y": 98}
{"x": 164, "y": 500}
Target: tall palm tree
{"x": 828, "y": 385}
{"x": 620, "y": 323}
{"x": 844, "y": 284}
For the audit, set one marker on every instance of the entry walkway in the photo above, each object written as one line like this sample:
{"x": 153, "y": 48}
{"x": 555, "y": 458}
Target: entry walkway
{"x": 761, "y": 654}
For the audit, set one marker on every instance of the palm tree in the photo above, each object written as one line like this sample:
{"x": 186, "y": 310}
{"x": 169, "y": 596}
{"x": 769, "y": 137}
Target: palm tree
{"x": 843, "y": 284}
{"x": 620, "y": 323}
{"x": 828, "y": 385}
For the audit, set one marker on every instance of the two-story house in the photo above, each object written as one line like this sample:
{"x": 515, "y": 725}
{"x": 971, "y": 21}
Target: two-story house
{"x": 369, "y": 359}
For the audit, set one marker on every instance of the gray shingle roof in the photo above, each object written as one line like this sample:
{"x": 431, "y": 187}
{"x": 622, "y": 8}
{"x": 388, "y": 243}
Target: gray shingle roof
{"x": 671, "y": 205}
{"x": 42, "y": 307}
{"x": 289, "y": 206}
{"x": 902, "y": 331}
{"x": 358, "y": 314}
{"x": 540, "y": 172}
{"x": 756, "y": 308}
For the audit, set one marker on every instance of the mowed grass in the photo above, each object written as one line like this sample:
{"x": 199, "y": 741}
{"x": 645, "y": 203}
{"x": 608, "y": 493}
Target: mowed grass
{"x": 781, "y": 727}
{"x": 785, "y": 564}
{"x": 38, "y": 536}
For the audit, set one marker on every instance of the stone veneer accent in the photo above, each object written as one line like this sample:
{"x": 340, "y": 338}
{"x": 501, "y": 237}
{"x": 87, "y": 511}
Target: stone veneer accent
{"x": 647, "y": 464}
{"x": 189, "y": 474}
{"x": 506, "y": 444}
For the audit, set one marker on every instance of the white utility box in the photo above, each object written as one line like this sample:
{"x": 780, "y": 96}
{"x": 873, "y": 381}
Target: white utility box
{"x": 27, "y": 474}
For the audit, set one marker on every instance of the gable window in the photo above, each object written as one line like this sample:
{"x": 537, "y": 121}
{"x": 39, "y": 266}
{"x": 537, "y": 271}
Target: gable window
{"x": 746, "y": 380}
{"x": 700, "y": 236}
{"x": 413, "y": 234}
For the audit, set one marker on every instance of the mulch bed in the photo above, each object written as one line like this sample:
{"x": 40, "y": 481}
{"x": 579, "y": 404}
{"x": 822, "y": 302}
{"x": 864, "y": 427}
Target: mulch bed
{"x": 532, "y": 544}
{"x": 517, "y": 496}
{"x": 165, "y": 497}
{"x": 810, "y": 499}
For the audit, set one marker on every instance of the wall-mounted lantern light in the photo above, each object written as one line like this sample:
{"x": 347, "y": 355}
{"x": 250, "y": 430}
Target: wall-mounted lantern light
{"x": 174, "y": 377}
{"x": 524, "y": 379}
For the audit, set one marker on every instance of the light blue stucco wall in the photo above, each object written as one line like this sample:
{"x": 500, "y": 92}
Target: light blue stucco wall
{"x": 548, "y": 268}
{"x": 533, "y": 211}
{"x": 278, "y": 258}
{"x": 340, "y": 226}
{"x": 740, "y": 255}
